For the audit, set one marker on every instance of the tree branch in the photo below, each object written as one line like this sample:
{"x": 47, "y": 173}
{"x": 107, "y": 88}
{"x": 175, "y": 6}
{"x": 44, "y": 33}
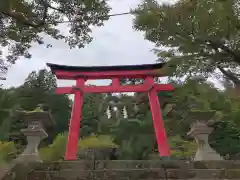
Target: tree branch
{"x": 230, "y": 76}
{"x": 54, "y": 8}
{"x": 22, "y": 18}
{"x": 224, "y": 48}
{"x": 214, "y": 45}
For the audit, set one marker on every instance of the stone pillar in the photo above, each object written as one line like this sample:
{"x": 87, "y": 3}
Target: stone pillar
{"x": 34, "y": 134}
{"x": 200, "y": 132}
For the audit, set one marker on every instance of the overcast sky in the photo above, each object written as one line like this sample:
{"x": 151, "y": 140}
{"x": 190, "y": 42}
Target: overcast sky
{"x": 115, "y": 43}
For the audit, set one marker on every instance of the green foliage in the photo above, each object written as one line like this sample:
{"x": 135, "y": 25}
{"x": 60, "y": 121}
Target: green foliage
{"x": 181, "y": 148}
{"x": 24, "y": 22}
{"x": 231, "y": 111}
{"x": 199, "y": 95}
{"x": 56, "y": 151}
{"x": 200, "y": 36}
{"x": 196, "y": 94}
{"x": 93, "y": 110}
{"x": 8, "y": 103}
{"x": 7, "y": 150}
{"x": 39, "y": 88}
{"x": 135, "y": 137}
{"x": 225, "y": 139}
{"x": 93, "y": 141}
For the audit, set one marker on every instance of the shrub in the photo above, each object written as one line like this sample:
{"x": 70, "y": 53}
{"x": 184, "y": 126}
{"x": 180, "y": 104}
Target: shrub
{"x": 7, "y": 151}
{"x": 56, "y": 151}
{"x": 182, "y": 149}
{"x": 102, "y": 141}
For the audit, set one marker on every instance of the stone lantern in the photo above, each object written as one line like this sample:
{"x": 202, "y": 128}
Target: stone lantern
{"x": 37, "y": 124}
{"x": 200, "y": 131}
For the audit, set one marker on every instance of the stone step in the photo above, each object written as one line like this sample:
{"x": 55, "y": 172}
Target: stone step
{"x": 98, "y": 165}
{"x": 125, "y": 170}
{"x": 130, "y": 174}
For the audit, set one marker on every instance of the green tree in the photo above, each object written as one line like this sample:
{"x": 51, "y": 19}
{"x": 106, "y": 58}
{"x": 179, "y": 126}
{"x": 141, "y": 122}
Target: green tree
{"x": 92, "y": 114}
{"x": 8, "y": 104}
{"x": 24, "y": 22}
{"x": 199, "y": 36}
{"x": 135, "y": 137}
{"x": 39, "y": 88}
{"x": 193, "y": 94}
{"x": 225, "y": 139}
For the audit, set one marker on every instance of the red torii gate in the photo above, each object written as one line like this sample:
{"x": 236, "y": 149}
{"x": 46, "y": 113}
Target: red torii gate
{"x": 115, "y": 73}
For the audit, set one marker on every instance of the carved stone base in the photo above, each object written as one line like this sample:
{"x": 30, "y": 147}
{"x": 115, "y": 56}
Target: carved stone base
{"x": 207, "y": 154}
{"x": 200, "y": 131}
{"x": 34, "y": 136}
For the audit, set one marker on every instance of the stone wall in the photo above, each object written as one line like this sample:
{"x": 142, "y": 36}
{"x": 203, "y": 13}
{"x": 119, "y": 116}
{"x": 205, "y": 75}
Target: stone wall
{"x": 125, "y": 170}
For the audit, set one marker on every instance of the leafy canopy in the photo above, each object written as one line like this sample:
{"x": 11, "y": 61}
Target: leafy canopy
{"x": 23, "y": 22}
{"x": 200, "y": 36}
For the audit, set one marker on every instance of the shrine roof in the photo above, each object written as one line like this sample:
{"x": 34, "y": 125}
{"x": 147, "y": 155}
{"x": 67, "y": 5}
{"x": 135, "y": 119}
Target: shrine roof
{"x": 56, "y": 67}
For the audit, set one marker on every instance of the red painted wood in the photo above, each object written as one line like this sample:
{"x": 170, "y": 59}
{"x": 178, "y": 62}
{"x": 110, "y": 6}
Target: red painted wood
{"x": 104, "y": 75}
{"x": 115, "y": 82}
{"x": 73, "y": 135}
{"x": 112, "y": 89}
{"x": 158, "y": 122}
{"x": 64, "y": 90}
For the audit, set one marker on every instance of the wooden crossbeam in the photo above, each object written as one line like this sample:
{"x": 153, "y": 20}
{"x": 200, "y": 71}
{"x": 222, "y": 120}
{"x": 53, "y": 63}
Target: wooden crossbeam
{"x": 115, "y": 89}
{"x": 108, "y": 75}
